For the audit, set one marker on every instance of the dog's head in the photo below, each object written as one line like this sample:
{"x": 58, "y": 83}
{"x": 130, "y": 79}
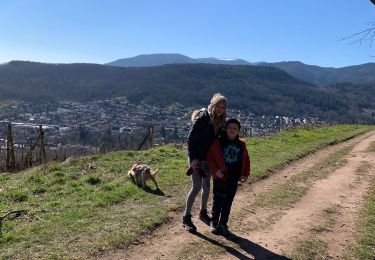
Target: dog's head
{"x": 130, "y": 173}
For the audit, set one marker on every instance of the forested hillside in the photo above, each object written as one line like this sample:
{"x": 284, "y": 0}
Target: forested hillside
{"x": 260, "y": 89}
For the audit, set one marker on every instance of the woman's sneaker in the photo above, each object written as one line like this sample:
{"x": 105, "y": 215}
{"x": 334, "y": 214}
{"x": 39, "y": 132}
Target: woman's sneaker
{"x": 203, "y": 215}
{"x": 188, "y": 224}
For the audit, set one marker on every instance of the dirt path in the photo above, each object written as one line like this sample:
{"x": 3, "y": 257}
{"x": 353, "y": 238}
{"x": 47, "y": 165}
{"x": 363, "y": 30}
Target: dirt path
{"x": 327, "y": 212}
{"x": 340, "y": 195}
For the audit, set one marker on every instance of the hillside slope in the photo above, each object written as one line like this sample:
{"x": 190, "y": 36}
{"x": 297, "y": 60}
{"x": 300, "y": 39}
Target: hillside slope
{"x": 85, "y": 206}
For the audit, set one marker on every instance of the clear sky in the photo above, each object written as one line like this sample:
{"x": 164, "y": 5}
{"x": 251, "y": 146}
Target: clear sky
{"x": 100, "y": 31}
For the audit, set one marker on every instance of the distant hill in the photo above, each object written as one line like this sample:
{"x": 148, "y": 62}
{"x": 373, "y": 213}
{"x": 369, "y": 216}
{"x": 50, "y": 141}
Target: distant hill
{"x": 223, "y": 61}
{"x": 147, "y": 60}
{"x": 316, "y": 75}
{"x": 326, "y": 76}
{"x": 262, "y": 90}
{"x": 359, "y": 94}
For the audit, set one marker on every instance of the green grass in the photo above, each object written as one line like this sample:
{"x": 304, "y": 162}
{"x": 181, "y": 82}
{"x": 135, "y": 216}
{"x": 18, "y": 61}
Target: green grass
{"x": 272, "y": 153}
{"x": 365, "y": 246}
{"x": 81, "y": 208}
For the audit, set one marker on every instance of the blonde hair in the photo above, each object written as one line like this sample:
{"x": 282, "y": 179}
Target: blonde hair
{"x": 217, "y": 121}
{"x": 216, "y": 99}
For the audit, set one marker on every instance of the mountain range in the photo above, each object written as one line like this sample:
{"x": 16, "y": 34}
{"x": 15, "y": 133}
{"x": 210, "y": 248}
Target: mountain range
{"x": 321, "y": 76}
{"x": 261, "y": 88}
{"x": 147, "y": 60}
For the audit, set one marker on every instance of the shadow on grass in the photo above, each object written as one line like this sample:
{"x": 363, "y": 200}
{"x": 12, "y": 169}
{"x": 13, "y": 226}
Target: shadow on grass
{"x": 157, "y": 192}
{"x": 255, "y": 251}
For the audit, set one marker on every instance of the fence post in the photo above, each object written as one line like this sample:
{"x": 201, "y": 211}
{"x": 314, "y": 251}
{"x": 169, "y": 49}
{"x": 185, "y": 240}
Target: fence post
{"x": 10, "y": 161}
{"x": 42, "y": 148}
{"x": 151, "y": 135}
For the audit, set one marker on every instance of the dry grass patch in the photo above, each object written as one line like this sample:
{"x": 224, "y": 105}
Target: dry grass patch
{"x": 371, "y": 147}
{"x": 310, "y": 249}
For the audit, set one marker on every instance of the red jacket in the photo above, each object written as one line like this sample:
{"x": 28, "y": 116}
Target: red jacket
{"x": 216, "y": 162}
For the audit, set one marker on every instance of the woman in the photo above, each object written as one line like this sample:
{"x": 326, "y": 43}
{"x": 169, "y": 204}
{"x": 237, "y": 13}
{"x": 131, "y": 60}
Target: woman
{"x": 207, "y": 124}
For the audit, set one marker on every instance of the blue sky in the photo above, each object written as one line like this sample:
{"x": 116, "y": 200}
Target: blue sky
{"x": 100, "y": 31}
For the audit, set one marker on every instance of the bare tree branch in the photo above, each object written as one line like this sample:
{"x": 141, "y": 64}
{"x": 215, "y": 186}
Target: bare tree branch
{"x": 372, "y": 36}
{"x": 367, "y": 35}
{"x": 363, "y": 36}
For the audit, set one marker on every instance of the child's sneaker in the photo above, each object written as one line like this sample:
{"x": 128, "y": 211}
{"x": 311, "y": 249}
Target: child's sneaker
{"x": 213, "y": 227}
{"x": 223, "y": 229}
{"x": 203, "y": 215}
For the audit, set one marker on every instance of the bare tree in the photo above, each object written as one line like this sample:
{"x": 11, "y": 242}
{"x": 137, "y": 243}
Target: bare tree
{"x": 367, "y": 35}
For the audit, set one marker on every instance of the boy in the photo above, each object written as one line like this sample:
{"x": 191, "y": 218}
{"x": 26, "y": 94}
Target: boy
{"x": 229, "y": 162}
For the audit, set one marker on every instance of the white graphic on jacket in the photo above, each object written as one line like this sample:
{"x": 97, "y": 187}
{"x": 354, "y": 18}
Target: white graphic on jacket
{"x": 231, "y": 154}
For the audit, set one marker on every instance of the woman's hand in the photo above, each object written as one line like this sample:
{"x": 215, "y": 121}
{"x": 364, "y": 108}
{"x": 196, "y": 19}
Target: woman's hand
{"x": 194, "y": 163}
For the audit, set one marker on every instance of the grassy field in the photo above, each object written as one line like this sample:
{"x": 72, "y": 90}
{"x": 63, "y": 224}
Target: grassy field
{"x": 85, "y": 206}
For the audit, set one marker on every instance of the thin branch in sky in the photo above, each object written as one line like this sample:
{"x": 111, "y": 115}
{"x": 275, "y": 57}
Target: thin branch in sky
{"x": 372, "y": 37}
{"x": 363, "y": 36}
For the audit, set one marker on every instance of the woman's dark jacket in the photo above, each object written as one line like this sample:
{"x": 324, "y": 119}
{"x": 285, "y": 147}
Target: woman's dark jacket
{"x": 201, "y": 136}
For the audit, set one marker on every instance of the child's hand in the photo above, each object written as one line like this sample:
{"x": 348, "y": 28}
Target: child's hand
{"x": 219, "y": 174}
{"x": 243, "y": 179}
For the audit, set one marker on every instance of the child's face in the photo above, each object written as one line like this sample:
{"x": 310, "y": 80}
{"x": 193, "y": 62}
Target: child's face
{"x": 232, "y": 131}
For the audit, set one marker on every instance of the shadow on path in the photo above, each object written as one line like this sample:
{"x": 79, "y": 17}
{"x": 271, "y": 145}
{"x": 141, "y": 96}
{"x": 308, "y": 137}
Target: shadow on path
{"x": 255, "y": 251}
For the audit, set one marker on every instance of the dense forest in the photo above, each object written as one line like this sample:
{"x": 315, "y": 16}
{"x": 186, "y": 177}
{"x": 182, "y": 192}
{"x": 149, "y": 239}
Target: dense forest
{"x": 259, "y": 89}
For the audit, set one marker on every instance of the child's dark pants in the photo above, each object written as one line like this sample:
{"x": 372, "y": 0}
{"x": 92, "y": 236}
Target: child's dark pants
{"x": 224, "y": 192}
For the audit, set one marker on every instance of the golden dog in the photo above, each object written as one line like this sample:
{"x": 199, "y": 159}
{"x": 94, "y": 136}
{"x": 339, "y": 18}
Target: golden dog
{"x": 140, "y": 173}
